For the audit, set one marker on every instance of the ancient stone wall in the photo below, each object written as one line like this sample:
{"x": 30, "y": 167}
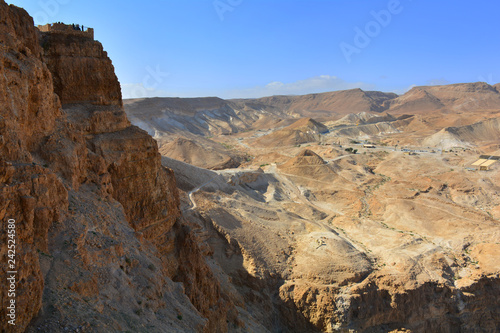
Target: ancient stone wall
{"x": 67, "y": 29}
{"x": 81, "y": 70}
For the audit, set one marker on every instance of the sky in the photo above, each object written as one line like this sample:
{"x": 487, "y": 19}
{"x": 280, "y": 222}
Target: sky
{"x": 256, "y": 48}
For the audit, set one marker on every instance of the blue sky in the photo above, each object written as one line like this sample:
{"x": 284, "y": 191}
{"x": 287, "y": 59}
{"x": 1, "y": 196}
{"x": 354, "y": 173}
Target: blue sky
{"x": 254, "y": 48}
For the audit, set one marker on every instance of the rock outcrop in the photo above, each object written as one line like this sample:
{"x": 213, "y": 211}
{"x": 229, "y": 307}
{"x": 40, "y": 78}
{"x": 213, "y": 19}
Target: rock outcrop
{"x": 127, "y": 156}
{"x": 100, "y": 237}
{"x": 32, "y": 194}
{"x": 29, "y": 106}
{"x": 81, "y": 69}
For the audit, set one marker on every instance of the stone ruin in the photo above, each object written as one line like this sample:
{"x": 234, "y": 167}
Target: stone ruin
{"x": 69, "y": 29}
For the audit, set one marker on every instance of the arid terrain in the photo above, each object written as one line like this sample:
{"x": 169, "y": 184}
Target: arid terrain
{"x": 347, "y": 211}
{"x": 403, "y": 234}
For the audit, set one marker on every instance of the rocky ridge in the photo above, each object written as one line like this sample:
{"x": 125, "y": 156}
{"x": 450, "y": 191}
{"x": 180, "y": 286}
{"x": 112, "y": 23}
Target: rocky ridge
{"x": 189, "y": 151}
{"x": 213, "y": 116}
{"x": 101, "y": 242}
{"x": 302, "y": 131}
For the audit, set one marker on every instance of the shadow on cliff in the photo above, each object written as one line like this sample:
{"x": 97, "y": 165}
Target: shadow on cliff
{"x": 257, "y": 295}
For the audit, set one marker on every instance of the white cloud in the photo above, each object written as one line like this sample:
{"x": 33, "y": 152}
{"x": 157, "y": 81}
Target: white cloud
{"x": 317, "y": 84}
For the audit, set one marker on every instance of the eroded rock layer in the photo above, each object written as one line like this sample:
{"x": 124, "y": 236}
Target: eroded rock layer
{"x": 100, "y": 237}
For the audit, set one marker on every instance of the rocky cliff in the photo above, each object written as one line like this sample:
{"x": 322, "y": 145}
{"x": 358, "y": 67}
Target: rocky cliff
{"x": 81, "y": 69}
{"x": 32, "y": 194}
{"x": 101, "y": 242}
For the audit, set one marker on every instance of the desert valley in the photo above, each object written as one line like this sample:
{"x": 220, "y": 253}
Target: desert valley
{"x": 400, "y": 228}
{"x": 344, "y": 211}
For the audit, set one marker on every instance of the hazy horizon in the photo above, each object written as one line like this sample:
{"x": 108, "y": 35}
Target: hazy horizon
{"x": 307, "y": 93}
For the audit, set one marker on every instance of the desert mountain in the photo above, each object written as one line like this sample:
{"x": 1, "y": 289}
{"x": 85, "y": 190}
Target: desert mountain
{"x": 482, "y": 133}
{"x": 308, "y": 163}
{"x": 326, "y": 104}
{"x": 361, "y": 118}
{"x": 305, "y": 158}
{"x": 213, "y": 116}
{"x": 203, "y": 116}
{"x": 302, "y": 131}
{"x": 365, "y": 126}
{"x": 454, "y": 97}
{"x": 191, "y": 152}
{"x": 417, "y": 100}
{"x": 200, "y": 116}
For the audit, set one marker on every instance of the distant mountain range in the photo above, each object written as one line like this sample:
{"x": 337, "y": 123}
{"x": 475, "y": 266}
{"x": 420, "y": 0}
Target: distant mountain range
{"x": 213, "y": 116}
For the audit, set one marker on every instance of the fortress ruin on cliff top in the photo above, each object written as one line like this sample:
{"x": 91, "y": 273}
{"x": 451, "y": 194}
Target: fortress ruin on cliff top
{"x": 69, "y": 29}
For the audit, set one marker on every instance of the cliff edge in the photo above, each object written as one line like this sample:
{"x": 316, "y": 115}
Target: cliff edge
{"x": 100, "y": 239}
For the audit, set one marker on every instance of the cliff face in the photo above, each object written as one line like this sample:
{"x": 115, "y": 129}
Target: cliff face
{"x": 81, "y": 69}
{"x": 379, "y": 306}
{"x": 128, "y": 156}
{"x": 32, "y": 195}
{"x": 99, "y": 229}
{"x": 29, "y": 105}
